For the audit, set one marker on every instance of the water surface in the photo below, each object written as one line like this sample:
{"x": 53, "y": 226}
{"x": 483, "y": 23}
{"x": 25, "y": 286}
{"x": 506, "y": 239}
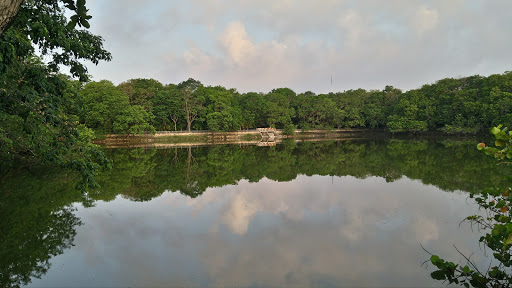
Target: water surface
{"x": 350, "y": 213}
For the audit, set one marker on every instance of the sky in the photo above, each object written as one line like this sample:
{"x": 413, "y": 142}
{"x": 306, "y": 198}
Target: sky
{"x": 259, "y": 45}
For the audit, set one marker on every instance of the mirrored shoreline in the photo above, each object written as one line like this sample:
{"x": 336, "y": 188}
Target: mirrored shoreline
{"x": 334, "y": 213}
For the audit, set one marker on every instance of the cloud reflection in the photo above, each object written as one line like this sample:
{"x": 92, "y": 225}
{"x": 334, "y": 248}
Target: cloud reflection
{"x": 312, "y": 231}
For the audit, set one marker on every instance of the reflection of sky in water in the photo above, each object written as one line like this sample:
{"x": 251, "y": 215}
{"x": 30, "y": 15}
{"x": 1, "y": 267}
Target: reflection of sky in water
{"x": 312, "y": 231}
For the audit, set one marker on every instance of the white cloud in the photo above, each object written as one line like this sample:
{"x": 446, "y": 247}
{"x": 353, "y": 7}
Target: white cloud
{"x": 260, "y": 45}
{"x": 239, "y": 46}
{"x": 425, "y": 19}
{"x": 354, "y": 25}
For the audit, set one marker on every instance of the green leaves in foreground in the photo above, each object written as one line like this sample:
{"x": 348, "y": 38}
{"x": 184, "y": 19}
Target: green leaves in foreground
{"x": 455, "y": 274}
{"x": 503, "y": 138}
{"x": 81, "y": 16}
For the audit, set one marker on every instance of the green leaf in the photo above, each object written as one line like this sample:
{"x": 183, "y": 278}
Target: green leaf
{"x": 509, "y": 240}
{"x": 466, "y": 269}
{"x": 80, "y": 5}
{"x": 495, "y": 130}
{"x": 504, "y": 219}
{"x": 434, "y": 259}
{"x": 85, "y": 23}
{"x": 69, "y": 4}
{"x": 71, "y": 24}
{"x": 499, "y": 143}
{"x": 438, "y": 275}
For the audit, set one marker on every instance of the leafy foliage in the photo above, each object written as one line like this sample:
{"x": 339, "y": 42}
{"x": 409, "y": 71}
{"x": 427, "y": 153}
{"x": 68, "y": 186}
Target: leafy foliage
{"x": 289, "y": 129}
{"x": 108, "y": 110}
{"x": 39, "y": 108}
{"x": 453, "y": 106}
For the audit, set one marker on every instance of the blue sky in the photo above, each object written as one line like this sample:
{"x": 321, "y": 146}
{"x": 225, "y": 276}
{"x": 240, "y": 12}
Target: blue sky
{"x": 261, "y": 45}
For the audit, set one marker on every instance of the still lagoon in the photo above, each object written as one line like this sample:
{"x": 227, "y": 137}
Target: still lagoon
{"x": 324, "y": 214}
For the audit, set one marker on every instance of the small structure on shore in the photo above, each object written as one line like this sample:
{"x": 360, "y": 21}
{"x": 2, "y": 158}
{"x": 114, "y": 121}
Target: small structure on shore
{"x": 267, "y": 134}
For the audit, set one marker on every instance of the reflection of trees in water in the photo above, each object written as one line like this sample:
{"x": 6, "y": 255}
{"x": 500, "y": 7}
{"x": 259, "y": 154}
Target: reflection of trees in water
{"x": 449, "y": 165}
{"x": 26, "y": 250}
{"x": 37, "y": 223}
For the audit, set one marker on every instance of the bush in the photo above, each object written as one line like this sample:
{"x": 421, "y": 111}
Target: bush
{"x": 450, "y": 129}
{"x": 289, "y": 129}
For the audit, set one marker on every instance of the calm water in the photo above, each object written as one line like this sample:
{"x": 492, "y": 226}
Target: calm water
{"x": 322, "y": 214}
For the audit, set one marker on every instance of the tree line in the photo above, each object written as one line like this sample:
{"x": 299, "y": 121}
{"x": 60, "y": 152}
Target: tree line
{"x": 464, "y": 105}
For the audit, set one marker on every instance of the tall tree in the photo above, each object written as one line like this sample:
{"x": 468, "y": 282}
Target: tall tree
{"x": 278, "y": 107}
{"x": 221, "y": 108}
{"x": 167, "y": 108}
{"x": 253, "y": 106}
{"x": 193, "y": 103}
{"x": 141, "y": 91}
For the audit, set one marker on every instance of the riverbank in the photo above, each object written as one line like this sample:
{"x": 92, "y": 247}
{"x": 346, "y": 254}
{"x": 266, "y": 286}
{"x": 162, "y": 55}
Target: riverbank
{"x": 246, "y": 137}
{"x": 165, "y": 139}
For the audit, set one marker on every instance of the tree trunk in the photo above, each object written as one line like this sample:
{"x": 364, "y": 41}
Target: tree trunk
{"x": 174, "y": 119}
{"x": 8, "y": 10}
{"x": 189, "y": 124}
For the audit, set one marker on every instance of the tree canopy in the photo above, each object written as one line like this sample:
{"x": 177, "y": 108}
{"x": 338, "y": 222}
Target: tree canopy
{"x": 39, "y": 107}
{"x": 465, "y": 105}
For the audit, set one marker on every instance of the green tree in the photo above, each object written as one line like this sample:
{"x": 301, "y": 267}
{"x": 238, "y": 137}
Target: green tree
{"x": 108, "y": 110}
{"x": 410, "y": 113}
{"x": 141, "y": 91}
{"x": 221, "y": 108}
{"x": 350, "y": 104}
{"x": 253, "y": 106}
{"x": 193, "y": 103}
{"x": 278, "y": 107}
{"x": 34, "y": 111}
{"x": 316, "y": 111}
{"x": 168, "y": 108}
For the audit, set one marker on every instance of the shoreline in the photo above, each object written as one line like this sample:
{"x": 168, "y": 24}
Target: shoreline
{"x": 165, "y": 139}
{"x": 204, "y": 138}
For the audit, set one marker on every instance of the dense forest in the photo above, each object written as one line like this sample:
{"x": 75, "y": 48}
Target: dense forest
{"x": 465, "y": 105}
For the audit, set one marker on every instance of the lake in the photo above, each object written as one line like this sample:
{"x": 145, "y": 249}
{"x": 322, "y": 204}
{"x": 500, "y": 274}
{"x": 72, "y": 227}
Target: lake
{"x": 327, "y": 214}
